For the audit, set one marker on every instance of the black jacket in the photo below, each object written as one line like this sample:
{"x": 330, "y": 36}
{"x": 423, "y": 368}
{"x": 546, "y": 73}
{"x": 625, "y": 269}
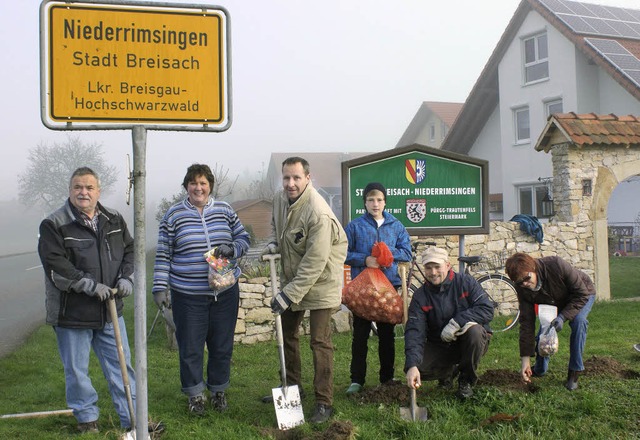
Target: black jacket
{"x": 459, "y": 297}
{"x": 75, "y": 259}
{"x": 563, "y": 286}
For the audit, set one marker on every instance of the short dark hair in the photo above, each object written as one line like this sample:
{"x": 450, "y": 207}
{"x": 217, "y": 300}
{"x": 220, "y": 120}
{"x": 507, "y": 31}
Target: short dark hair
{"x": 518, "y": 264}
{"x": 83, "y": 171}
{"x": 294, "y": 160}
{"x": 196, "y": 170}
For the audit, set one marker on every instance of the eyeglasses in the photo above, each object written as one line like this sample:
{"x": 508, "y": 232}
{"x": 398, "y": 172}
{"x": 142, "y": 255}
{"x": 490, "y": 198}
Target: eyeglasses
{"x": 524, "y": 280}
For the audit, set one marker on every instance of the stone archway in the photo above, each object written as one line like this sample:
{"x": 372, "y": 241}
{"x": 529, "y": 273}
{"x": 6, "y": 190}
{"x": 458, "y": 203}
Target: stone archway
{"x": 594, "y": 152}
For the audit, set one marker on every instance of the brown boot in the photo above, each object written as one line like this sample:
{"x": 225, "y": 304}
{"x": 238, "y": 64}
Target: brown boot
{"x": 572, "y": 380}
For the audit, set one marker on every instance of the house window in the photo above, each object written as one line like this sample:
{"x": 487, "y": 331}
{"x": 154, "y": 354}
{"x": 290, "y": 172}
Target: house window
{"x": 444, "y": 129}
{"x": 536, "y": 58}
{"x": 531, "y": 198}
{"x": 521, "y": 120}
{"x": 432, "y": 132}
{"x": 552, "y": 107}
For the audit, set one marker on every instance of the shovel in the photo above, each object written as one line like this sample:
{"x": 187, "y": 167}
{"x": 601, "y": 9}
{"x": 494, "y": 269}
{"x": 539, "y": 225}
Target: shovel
{"x": 414, "y": 413}
{"x": 286, "y": 399}
{"x": 113, "y": 313}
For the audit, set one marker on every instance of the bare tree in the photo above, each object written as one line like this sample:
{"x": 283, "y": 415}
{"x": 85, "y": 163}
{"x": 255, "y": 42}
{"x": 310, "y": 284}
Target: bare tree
{"x": 223, "y": 187}
{"x": 260, "y": 188}
{"x": 46, "y": 179}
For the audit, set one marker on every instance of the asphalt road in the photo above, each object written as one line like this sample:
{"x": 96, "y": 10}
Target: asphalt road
{"x": 22, "y": 307}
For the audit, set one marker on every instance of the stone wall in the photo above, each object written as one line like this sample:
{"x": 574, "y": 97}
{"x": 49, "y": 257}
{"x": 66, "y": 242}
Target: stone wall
{"x": 256, "y": 321}
{"x": 572, "y": 241}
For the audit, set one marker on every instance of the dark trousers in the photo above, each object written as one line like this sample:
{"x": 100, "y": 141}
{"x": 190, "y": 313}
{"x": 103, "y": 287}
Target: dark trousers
{"x": 440, "y": 358}
{"x": 321, "y": 348}
{"x": 359, "y": 349}
{"x": 202, "y": 319}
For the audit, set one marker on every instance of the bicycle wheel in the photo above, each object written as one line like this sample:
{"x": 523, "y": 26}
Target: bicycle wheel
{"x": 505, "y": 300}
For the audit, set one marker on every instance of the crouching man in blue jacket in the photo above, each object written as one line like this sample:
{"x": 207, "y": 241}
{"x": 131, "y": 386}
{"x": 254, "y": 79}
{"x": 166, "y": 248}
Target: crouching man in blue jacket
{"x": 447, "y": 331}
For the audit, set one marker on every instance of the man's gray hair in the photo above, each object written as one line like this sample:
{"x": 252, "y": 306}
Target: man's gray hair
{"x": 83, "y": 171}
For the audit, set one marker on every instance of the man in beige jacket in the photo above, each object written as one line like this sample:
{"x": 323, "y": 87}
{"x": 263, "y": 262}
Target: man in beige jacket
{"x": 313, "y": 247}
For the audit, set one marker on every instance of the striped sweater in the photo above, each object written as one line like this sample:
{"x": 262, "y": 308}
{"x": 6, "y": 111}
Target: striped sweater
{"x": 180, "y": 263}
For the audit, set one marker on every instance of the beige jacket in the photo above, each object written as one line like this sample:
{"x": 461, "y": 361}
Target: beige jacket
{"x": 313, "y": 247}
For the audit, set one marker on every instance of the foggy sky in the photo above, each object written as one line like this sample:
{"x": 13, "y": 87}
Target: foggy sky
{"x": 307, "y": 76}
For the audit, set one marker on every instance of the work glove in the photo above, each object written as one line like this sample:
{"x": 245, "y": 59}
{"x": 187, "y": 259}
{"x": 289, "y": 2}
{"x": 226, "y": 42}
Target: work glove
{"x": 271, "y": 248}
{"x": 161, "y": 298}
{"x": 101, "y": 292}
{"x": 223, "y": 251}
{"x": 449, "y": 331}
{"x": 125, "y": 287}
{"x": 558, "y": 322}
{"x": 280, "y": 303}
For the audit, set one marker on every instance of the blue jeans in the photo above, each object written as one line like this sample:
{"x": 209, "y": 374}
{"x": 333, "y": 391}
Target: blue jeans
{"x": 204, "y": 319}
{"x": 577, "y": 341}
{"x": 75, "y": 347}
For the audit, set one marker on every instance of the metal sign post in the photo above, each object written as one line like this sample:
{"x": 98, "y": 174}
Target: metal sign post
{"x": 139, "y": 137}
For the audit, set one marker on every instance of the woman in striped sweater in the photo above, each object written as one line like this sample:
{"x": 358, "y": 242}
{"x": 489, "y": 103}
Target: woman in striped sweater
{"x": 187, "y": 231}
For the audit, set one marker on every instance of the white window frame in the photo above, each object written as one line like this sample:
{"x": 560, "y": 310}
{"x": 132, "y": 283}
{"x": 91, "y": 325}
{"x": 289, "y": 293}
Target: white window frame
{"x": 432, "y": 132}
{"x": 540, "y": 57}
{"x": 516, "y": 125}
{"x": 548, "y": 104}
{"x": 536, "y": 193}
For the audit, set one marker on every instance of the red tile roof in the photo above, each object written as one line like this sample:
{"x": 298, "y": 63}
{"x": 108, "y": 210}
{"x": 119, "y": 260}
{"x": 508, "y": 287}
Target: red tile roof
{"x": 590, "y": 129}
{"x": 447, "y": 111}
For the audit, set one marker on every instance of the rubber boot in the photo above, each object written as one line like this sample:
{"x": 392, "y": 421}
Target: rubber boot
{"x": 572, "y": 380}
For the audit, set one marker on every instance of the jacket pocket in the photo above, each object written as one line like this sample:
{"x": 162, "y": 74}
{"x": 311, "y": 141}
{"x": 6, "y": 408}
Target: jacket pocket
{"x": 297, "y": 239}
{"x": 82, "y": 253}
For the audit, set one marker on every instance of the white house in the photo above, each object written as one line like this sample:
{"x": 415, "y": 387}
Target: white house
{"x": 555, "y": 56}
{"x": 431, "y": 124}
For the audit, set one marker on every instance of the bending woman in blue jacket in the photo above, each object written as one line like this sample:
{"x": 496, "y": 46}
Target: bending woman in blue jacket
{"x": 375, "y": 225}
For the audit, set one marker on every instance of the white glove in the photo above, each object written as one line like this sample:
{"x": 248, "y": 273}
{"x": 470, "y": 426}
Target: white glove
{"x": 466, "y": 327}
{"x": 271, "y": 248}
{"x": 125, "y": 287}
{"x": 449, "y": 331}
{"x": 101, "y": 292}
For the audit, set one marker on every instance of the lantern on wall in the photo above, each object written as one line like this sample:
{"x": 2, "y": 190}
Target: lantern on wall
{"x": 547, "y": 200}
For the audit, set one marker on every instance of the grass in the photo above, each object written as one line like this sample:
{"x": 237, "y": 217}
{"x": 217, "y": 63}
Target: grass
{"x": 623, "y": 273}
{"x": 602, "y": 408}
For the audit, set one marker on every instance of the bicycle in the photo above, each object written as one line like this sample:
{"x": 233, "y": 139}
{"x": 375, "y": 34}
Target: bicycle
{"x": 497, "y": 285}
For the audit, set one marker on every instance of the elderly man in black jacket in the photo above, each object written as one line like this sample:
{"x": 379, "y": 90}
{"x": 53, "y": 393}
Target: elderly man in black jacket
{"x": 448, "y": 327}
{"x": 551, "y": 280}
{"x": 86, "y": 250}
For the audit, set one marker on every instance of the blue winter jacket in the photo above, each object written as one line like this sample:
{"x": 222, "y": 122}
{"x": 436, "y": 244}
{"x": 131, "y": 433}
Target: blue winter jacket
{"x": 363, "y": 232}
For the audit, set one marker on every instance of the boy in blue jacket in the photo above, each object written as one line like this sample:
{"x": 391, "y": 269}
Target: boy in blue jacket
{"x": 375, "y": 225}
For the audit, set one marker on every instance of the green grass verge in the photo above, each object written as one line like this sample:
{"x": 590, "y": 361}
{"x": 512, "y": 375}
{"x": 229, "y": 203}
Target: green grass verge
{"x": 623, "y": 273}
{"x": 602, "y": 408}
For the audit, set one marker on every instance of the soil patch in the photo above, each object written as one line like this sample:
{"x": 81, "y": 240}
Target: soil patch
{"x": 507, "y": 380}
{"x": 337, "y": 430}
{"x": 606, "y": 366}
{"x": 387, "y": 394}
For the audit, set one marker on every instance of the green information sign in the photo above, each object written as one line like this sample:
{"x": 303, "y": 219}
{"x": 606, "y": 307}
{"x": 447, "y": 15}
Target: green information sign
{"x": 432, "y": 192}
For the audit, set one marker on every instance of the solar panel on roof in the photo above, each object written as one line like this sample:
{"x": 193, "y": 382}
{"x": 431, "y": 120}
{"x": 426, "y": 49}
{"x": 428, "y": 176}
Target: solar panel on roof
{"x": 618, "y": 56}
{"x": 585, "y": 18}
{"x": 625, "y": 62}
{"x": 601, "y": 26}
{"x": 623, "y": 28}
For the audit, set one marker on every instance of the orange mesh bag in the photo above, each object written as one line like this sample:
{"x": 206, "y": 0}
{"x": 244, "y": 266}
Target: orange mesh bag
{"x": 371, "y": 296}
{"x": 382, "y": 253}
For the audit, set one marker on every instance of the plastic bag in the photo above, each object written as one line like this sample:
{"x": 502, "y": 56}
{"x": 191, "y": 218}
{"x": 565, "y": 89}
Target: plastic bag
{"x": 371, "y": 296}
{"x": 221, "y": 272}
{"x": 382, "y": 253}
{"x": 548, "y": 342}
